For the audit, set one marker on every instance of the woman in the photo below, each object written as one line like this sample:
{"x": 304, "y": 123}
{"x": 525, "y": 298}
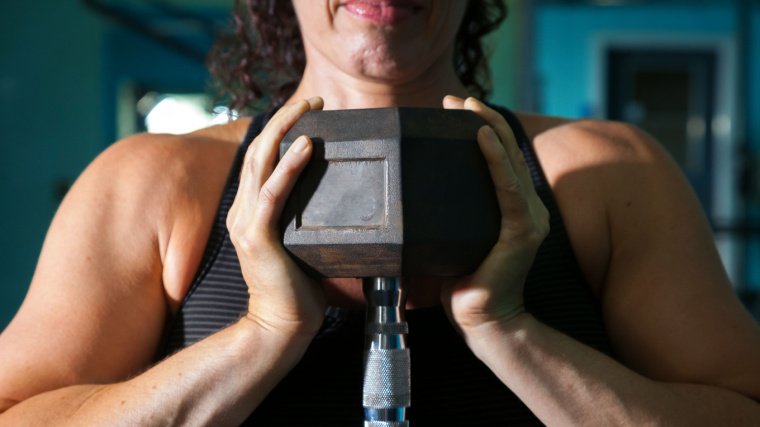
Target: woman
{"x": 133, "y": 236}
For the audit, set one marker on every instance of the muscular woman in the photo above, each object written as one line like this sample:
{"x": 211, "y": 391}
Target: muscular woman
{"x": 106, "y": 336}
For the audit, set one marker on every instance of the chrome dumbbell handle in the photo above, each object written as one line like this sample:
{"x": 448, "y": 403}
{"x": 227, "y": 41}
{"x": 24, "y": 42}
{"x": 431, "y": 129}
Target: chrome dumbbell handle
{"x": 387, "y": 392}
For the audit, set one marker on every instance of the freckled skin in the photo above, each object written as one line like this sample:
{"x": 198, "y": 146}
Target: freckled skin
{"x": 127, "y": 240}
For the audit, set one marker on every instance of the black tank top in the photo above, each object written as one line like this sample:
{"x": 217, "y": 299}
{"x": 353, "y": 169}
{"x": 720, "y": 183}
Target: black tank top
{"x": 450, "y": 386}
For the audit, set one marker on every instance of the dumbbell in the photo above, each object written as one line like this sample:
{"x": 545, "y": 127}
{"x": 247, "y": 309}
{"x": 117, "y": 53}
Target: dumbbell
{"x": 390, "y": 193}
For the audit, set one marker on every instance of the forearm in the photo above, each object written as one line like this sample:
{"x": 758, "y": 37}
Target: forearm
{"x": 567, "y": 383}
{"x": 218, "y": 381}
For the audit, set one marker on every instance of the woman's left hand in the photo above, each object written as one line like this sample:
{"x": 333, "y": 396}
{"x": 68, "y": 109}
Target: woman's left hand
{"x": 493, "y": 294}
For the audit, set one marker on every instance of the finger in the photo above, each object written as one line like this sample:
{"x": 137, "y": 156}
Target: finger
{"x": 506, "y": 182}
{"x": 495, "y": 120}
{"x": 286, "y": 115}
{"x": 316, "y": 103}
{"x": 499, "y": 124}
{"x": 248, "y": 162}
{"x": 259, "y": 162}
{"x": 522, "y": 212}
{"x": 452, "y": 102}
{"x": 267, "y": 150}
{"x": 278, "y": 186}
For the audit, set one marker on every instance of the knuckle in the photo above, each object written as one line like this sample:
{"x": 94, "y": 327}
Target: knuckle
{"x": 230, "y": 222}
{"x": 527, "y": 224}
{"x": 285, "y": 166}
{"x": 287, "y": 169}
{"x": 236, "y": 229}
{"x": 249, "y": 243}
{"x": 267, "y": 197}
{"x": 501, "y": 156}
{"x": 540, "y": 227}
{"x": 500, "y": 126}
{"x": 510, "y": 188}
{"x": 498, "y": 159}
{"x": 520, "y": 158}
{"x": 537, "y": 235}
{"x": 544, "y": 222}
{"x": 250, "y": 155}
{"x": 257, "y": 163}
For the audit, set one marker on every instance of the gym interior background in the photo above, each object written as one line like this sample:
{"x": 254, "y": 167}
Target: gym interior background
{"x": 77, "y": 75}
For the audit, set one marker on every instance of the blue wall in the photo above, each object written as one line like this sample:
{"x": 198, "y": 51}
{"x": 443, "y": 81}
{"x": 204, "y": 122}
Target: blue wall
{"x": 753, "y": 113}
{"x": 59, "y": 72}
{"x": 50, "y": 125}
{"x": 565, "y": 36}
{"x": 565, "y": 42}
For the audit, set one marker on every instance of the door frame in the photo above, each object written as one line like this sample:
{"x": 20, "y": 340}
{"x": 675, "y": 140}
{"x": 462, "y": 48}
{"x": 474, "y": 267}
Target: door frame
{"x": 727, "y": 205}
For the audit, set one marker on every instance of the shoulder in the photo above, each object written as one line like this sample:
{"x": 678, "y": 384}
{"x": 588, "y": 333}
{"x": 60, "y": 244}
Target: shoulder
{"x": 643, "y": 241}
{"x": 122, "y": 247}
{"x": 565, "y": 145}
{"x": 173, "y": 159}
{"x": 622, "y": 167}
{"x": 598, "y": 170}
{"x": 151, "y": 170}
{"x": 165, "y": 188}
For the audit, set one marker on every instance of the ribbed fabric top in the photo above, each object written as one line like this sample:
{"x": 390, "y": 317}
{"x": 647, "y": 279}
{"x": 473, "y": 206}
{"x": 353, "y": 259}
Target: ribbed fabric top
{"x": 450, "y": 387}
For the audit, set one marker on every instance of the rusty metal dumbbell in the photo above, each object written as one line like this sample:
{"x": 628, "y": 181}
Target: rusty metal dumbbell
{"x": 388, "y": 193}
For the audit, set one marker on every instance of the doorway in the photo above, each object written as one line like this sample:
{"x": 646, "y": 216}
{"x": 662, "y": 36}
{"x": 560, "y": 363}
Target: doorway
{"x": 670, "y": 95}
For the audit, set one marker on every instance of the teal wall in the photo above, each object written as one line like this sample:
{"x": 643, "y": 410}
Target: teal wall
{"x": 565, "y": 37}
{"x": 50, "y": 125}
{"x": 753, "y": 113}
{"x": 753, "y": 121}
{"x": 507, "y": 49}
{"x": 60, "y": 68}
{"x": 564, "y": 63}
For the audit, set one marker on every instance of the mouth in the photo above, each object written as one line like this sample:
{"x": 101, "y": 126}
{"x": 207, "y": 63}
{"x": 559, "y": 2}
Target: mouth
{"x": 384, "y": 12}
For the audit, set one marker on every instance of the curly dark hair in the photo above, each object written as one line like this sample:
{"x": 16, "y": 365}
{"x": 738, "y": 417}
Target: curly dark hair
{"x": 260, "y": 63}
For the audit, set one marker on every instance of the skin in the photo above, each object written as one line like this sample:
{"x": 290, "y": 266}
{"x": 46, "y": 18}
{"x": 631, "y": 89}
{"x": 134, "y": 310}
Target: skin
{"x": 122, "y": 250}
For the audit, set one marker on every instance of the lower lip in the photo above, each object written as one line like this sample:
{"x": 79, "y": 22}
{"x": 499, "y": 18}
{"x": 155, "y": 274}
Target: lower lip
{"x": 380, "y": 13}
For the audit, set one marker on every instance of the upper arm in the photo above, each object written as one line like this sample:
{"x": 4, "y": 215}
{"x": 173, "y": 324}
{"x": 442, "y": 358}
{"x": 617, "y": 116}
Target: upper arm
{"x": 95, "y": 309}
{"x": 667, "y": 302}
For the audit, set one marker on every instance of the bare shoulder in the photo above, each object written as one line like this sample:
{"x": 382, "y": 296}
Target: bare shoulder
{"x": 177, "y": 159}
{"x": 591, "y": 166}
{"x": 646, "y": 247}
{"x": 568, "y": 144}
{"x": 116, "y": 260}
{"x": 175, "y": 182}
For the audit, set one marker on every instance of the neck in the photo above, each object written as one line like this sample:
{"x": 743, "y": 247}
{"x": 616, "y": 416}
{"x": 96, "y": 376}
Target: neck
{"x": 341, "y": 90}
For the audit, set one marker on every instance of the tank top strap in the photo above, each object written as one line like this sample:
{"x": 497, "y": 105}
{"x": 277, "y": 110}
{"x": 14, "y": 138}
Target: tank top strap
{"x": 561, "y": 240}
{"x": 178, "y": 334}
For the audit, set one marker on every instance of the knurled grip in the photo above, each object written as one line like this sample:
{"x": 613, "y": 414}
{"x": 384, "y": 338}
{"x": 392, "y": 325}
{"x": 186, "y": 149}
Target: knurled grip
{"x": 386, "y": 379}
{"x": 386, "y": 424}
{"x": 387, "y": 386}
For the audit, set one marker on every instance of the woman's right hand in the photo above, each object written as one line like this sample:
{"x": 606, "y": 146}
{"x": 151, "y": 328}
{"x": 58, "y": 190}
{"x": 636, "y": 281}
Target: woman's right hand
{"x": 283, "y": 300}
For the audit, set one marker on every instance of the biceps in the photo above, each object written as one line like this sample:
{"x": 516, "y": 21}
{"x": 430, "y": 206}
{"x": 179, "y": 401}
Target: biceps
{"x": 670, "y": 309}
{"x": 95, "y": 310}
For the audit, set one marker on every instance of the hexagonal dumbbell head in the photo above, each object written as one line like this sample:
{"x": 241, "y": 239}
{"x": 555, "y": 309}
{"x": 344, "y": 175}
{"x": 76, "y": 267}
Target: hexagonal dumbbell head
{"x": 391, "y": 192}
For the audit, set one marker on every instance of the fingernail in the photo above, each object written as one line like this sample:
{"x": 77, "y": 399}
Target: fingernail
{"x": 300, "y": 144}
{"x": 468, "y": 103}
{"x": 313, "y": 99}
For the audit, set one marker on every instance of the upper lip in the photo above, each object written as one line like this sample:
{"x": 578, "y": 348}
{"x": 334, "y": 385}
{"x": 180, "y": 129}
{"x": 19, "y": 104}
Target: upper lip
{"x": 403, "y": 3}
